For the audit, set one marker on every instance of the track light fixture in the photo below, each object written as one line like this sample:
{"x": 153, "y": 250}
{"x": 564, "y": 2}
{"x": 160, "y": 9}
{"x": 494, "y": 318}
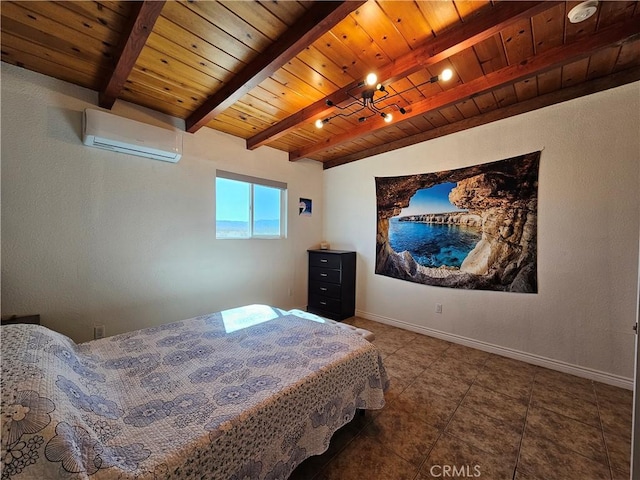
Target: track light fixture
{"x": 371, "y": 95}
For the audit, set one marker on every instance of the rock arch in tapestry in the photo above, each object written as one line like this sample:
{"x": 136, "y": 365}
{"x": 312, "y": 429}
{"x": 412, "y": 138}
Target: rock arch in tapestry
{"x": 496, "y": 202}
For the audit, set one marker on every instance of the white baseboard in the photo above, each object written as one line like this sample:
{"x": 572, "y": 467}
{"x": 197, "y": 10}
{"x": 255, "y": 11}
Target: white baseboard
{"x": 558, "y": 365}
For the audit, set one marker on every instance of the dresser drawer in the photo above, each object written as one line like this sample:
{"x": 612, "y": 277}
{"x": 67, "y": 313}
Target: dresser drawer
{"x": 327, "y": 304}
{"x": 324, "y": 260}
{"x": 317, "y": 274}
{"x": 333, "y": 290}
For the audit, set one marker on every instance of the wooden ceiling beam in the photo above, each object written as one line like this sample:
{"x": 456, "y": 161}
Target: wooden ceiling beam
{"x": 486, "y": 24}
{"x": 586, "y": 88}
{"x": 315, "y": 22}
{"x": 134, "y": 38}
{"x": 530, "y": 67}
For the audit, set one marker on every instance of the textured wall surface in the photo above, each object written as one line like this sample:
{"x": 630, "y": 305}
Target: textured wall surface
{"x": 94, "y": 237}
{"x": 588, "y": 223}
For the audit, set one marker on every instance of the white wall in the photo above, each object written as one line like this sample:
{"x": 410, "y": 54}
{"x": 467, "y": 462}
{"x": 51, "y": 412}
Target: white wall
{"x": 94, "y": 237}
{"x": 588, "y": 219}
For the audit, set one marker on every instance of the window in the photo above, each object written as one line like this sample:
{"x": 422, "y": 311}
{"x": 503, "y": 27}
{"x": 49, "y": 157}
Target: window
{"x": 249, "y": 207}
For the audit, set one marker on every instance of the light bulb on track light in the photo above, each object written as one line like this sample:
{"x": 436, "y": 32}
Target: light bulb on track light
{"x": 446, "y": 74}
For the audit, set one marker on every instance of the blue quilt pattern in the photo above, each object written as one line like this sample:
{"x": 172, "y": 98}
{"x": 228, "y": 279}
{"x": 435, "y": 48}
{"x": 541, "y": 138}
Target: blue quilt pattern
{"x": 182, "y": 400}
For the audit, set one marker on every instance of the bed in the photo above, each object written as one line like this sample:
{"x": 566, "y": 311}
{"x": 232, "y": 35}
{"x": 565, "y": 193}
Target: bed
{"x": 247, "y": 393}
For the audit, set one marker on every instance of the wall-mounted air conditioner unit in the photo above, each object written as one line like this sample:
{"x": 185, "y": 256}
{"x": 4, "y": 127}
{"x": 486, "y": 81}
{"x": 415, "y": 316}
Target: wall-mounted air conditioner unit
{"x": 105, "y": 130}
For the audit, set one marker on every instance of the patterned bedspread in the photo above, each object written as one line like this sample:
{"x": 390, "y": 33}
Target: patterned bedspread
{"x": 221, "y": 396}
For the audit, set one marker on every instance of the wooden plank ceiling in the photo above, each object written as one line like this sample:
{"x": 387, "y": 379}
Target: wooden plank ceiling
{"x": 266, "y": 71}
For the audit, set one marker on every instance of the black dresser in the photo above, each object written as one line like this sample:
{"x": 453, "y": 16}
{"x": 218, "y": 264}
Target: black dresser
{"x": 332, "y": 283}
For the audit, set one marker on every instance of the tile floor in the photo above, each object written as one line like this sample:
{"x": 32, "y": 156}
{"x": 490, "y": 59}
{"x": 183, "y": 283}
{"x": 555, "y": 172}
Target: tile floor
{"x": 486, "y": 416}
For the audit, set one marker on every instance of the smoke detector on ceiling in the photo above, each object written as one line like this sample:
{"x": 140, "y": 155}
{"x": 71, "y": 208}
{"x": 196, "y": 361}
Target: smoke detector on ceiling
{"x": 582, "y": 11}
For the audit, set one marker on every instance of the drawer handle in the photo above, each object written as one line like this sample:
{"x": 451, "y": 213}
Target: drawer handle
{"x": 323, "y": 260}
{"x": 323, "y": 289}
{"x": 323, "y": 274}
{"x": 323, "y": 303}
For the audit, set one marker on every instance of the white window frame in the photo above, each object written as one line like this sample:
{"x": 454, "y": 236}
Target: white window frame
{"x": 253, "y": 181}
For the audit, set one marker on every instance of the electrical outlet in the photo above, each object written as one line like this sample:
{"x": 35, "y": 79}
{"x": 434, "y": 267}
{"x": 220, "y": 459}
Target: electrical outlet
{"x": 98, "y": 332}
{"x": 438, "y": 308}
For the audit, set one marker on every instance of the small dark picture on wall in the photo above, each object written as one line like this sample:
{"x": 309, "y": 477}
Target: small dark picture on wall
{"x": 304, "y": 207}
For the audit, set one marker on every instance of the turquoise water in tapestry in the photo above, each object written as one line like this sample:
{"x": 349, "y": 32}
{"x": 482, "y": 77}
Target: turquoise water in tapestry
{"x": 433, "y": 245}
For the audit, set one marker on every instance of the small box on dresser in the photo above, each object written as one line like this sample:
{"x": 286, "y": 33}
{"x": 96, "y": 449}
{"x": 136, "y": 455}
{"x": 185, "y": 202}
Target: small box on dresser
{"x": 332, "y": 283}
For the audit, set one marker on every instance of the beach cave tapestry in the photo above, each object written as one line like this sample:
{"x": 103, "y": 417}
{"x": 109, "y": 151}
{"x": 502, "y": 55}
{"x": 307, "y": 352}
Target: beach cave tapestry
{"x": 471, "y": 228}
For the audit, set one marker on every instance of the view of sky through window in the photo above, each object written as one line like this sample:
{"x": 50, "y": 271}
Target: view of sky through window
{"x": 233, "y": 209}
